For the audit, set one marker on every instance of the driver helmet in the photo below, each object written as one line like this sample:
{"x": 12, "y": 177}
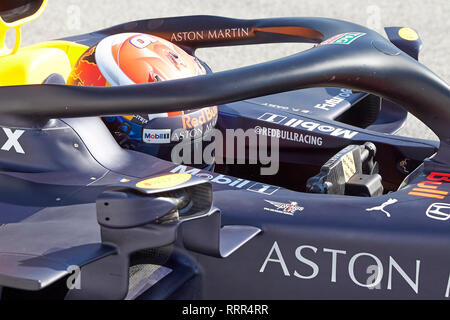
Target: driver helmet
{"x": 136, "y": 58}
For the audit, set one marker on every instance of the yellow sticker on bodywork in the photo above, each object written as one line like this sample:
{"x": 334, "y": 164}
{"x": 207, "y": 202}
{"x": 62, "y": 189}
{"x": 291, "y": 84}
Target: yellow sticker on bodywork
{"x": 408, "y": 34}
{"x": 167, "y": 181}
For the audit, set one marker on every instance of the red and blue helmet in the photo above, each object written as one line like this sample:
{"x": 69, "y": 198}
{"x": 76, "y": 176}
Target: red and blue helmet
{"x": 135, "y": 58}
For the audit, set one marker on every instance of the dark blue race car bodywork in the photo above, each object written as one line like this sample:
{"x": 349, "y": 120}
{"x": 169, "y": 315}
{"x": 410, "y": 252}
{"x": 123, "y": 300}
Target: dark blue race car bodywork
{"x": 75, "y": 224}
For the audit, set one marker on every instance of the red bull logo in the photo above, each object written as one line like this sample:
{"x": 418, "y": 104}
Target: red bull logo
{"x": 205, "y": 116}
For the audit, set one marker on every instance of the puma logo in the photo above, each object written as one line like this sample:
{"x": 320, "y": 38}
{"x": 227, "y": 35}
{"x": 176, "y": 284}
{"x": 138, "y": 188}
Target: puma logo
{"x": 382, "y": 206}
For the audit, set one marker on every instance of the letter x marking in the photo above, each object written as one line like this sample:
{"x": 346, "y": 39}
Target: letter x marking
{"x": 13, "y": 140}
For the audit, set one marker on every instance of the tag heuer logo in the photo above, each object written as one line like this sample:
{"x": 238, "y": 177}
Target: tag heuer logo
{"x": 343, "y": 38}
{"x": 284, "y": 208}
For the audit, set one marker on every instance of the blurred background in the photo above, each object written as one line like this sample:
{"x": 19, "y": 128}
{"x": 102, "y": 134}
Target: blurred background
{"x": 431, "y": 18}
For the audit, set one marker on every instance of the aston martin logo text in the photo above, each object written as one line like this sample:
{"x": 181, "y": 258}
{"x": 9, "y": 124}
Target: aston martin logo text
{"x": 230, "y": 33}
{"x": 197, "y": 132}
{"x": 333, "y": 102}
{"x": 308, "y": 125}
{"x": 284, "y": 208}
{"x": 13, "y": 140}
{"x": 430, "y": 187}
{"x": 311, "y": 261}
{"x": 207, "y": 114}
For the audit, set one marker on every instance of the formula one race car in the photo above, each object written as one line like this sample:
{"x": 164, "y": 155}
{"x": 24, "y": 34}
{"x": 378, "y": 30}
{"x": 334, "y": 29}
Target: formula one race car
{"x": 91, "y": 207}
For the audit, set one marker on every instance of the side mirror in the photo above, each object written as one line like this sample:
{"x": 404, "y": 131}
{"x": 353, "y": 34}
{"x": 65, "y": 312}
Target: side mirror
{"x": 169, "y": 210}
{"x": 406, "y": 39}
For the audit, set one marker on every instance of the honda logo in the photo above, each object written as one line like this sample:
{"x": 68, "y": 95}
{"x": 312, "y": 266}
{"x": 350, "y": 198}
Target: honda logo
{"x": 439, "y": 211}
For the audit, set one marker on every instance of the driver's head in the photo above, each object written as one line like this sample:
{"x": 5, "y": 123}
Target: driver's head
{"x": 132, "y": 58}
